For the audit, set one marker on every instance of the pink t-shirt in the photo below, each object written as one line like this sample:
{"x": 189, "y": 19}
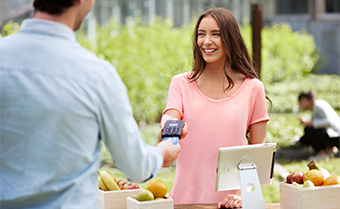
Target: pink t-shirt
{"x": 212, "y": 124}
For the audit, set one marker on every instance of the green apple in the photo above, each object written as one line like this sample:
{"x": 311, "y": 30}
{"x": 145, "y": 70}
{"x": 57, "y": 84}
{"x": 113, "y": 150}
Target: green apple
{"x": 308, "y": 183}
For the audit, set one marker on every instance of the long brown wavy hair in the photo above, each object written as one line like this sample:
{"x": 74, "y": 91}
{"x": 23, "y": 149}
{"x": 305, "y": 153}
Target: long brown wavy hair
{"x": 237, "y": 57}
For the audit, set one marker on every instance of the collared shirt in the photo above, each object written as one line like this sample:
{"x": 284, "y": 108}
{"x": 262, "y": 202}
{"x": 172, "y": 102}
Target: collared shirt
{"x": 324, "y": 116}
{"x": 56, "y": 100}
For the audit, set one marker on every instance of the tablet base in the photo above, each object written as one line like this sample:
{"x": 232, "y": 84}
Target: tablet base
{"x": 251, "y": 192}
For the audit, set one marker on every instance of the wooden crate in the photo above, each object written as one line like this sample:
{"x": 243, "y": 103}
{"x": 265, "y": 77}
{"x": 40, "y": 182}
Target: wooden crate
{"x": 294, "y": 197}
{"x": 115, "y": 199}
{"x": 132, "y": 203}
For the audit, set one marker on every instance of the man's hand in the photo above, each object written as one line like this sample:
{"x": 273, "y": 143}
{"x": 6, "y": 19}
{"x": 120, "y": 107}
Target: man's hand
{"x": 305, "y": 122}
{"x": 169, "y": 152}
{"x": 231, "y": 201}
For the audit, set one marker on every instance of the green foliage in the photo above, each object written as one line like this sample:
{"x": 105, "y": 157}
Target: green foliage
{"x": 286, "y": 54}
{"x": 284, "y": 129}
{"x": 146, "y": 57}
{"x": 9, "y": 28}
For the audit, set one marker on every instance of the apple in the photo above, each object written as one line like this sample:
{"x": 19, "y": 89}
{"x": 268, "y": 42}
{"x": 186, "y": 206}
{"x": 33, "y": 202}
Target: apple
{"x": 121, "y": 183}
{"x": 288, "y": 178}
{"x": 133, "y": 186}
{"x": 126, "y": 185}
{"x": 297, "y": 176}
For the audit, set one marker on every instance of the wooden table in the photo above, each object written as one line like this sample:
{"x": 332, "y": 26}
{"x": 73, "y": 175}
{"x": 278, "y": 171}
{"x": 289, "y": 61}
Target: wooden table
{"x": 268, "y": 206}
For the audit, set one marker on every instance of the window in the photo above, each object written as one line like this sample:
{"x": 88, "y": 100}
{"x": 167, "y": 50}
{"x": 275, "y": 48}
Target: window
{"x": 292, "y": 6}
{"x": 332, "y": 6}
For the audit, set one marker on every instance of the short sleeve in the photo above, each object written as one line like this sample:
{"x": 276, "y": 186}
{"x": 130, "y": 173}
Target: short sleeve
{"x": 260, "y": 112}
{"x": 175, "y": 99}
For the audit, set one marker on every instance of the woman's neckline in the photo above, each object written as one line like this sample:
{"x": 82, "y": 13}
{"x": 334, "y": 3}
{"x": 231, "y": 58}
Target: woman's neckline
{"x": 224, "y": 99}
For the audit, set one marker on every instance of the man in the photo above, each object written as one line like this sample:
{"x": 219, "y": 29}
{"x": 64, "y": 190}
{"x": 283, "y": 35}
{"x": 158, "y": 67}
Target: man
{"x": 57, "y": 100}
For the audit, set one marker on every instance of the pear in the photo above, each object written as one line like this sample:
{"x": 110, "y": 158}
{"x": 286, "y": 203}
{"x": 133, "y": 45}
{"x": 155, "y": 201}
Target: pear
{"x": 144, "y": 195}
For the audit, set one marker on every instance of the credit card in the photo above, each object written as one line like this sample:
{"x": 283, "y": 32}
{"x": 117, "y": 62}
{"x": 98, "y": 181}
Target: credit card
{"x": 174, "y": 139}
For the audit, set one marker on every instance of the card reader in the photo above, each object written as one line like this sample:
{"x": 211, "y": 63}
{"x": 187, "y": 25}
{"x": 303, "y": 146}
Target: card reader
{"x": 172, "y": 130}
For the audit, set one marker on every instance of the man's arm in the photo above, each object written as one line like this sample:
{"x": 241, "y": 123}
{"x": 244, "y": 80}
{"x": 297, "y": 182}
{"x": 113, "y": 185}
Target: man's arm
{"x": 119, "y": 130}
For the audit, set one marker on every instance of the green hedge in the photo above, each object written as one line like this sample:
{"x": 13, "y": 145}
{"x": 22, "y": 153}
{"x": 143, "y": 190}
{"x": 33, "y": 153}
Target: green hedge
{"x": 147, "y": 56}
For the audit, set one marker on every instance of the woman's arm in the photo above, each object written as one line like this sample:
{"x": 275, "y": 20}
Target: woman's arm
{"x": 258, "y": 133}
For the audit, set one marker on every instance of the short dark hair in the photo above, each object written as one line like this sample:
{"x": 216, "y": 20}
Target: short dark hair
{"x": 53, "y": 7}
{"x": 310, "y": 95}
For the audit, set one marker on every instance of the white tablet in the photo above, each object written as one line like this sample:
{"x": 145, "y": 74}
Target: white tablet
{"x": 227, "y": 173}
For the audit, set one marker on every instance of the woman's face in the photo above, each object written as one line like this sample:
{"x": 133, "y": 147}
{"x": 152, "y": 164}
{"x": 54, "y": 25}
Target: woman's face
{"x": 210, "y": 42}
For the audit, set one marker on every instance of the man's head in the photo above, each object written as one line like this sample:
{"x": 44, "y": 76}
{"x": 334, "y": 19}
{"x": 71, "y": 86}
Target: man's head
{"x": 53, "y": 7}
{"x": 78, "y": 9}
{"x": 306, "y": 100}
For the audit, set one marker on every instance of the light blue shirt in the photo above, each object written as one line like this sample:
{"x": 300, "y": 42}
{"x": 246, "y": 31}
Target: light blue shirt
{"x": 57, "y": 99}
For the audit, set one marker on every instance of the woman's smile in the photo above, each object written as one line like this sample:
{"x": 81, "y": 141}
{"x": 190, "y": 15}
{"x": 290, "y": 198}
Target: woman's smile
{"x": 209, "y": 51}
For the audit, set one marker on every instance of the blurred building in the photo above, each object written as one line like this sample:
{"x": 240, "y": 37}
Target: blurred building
{"x": 17, "y": 10}
{"x": 321, "y": 18}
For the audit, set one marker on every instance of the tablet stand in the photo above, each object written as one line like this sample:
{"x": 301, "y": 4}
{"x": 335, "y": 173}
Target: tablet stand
{"x": 251, "y": 199}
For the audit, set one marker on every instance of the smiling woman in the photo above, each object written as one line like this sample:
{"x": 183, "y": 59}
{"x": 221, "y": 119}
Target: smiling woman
{"x": 221, "y": 100}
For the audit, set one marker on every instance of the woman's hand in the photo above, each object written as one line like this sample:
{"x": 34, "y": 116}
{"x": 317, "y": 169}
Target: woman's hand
{"x": 231, "y": 201}
{"x": 172, "y": 115}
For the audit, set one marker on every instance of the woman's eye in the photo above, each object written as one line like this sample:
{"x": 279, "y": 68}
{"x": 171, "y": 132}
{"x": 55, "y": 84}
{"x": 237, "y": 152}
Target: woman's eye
{"x": 200, "y": 34}
{"x": 216, "y": 34}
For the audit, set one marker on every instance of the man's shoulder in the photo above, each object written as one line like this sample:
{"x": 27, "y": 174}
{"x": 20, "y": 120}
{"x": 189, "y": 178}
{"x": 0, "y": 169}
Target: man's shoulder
{"x": 321, "y": 102}
{"x": 7, "y": 39}
{"x": 91, "y": 62}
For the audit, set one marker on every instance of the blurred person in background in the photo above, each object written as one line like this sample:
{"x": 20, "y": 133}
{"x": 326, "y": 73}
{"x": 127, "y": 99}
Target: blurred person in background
{"x": 57, "y": 101}
{"x": 322, "y": 132}
{"x": 221, "y": 100}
